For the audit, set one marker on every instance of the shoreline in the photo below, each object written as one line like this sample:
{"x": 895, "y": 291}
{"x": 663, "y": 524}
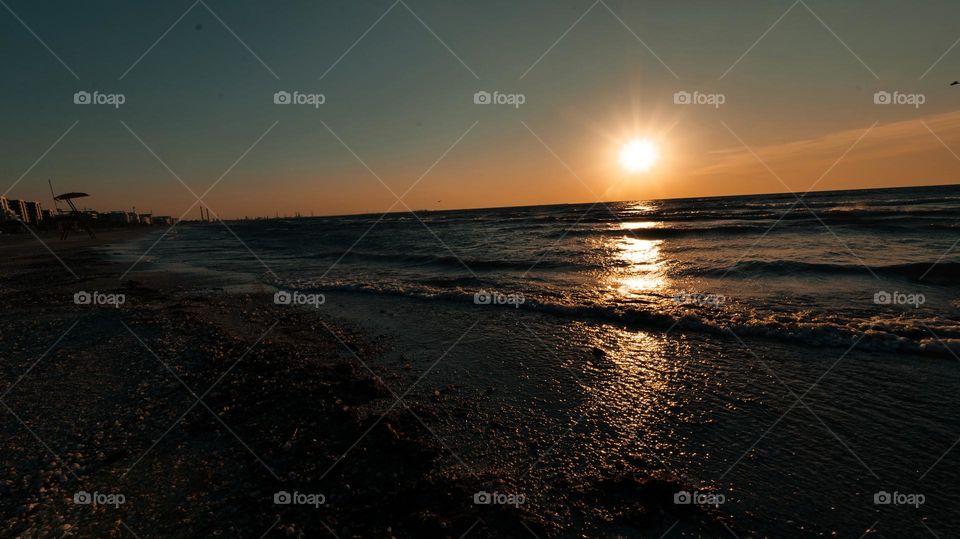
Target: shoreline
{"x": 282, "y": 400}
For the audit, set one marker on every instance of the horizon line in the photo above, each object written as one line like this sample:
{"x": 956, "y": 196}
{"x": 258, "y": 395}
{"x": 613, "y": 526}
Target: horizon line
{"x": 580, "y": 203}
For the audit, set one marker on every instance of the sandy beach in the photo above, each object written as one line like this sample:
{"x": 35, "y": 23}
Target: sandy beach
{"x": 184, "y": 411}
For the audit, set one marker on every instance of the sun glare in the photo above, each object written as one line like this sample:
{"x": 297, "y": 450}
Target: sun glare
{"x": 639, "y": 155}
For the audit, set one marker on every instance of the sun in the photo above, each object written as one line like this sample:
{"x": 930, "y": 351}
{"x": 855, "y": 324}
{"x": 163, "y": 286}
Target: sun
{"x": 639, "y": 155}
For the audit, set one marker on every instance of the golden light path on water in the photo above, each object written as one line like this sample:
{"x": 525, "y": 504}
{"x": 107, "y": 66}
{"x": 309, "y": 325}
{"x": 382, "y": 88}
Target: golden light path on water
{"x": 645, "y": 269}
{"x": 639, "y": 395}
{"x": 638, "y": 385}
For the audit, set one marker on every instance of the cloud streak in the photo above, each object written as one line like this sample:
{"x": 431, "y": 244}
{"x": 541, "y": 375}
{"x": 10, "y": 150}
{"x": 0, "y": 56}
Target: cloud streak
{"x": 891, "y": 148}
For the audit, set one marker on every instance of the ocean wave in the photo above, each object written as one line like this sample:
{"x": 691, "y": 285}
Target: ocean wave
{"x": 770, "y": 225}
{"x": 450, "y": 261}
{"x": 657, "y": 233}
{"x": 934, "y": 336}
{"x": 942, "y": 273}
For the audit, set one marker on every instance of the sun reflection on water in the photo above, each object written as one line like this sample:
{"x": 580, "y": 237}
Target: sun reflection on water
{"x": 639, "y": 388}
{"x": 644, "y": 272}
{"x": 638, "y": 225}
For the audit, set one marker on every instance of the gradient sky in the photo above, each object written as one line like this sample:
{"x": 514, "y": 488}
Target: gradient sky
{"x": 800, "y": 99}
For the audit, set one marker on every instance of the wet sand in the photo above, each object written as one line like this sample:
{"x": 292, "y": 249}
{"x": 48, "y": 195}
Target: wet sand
{"x": 196, "y": 407}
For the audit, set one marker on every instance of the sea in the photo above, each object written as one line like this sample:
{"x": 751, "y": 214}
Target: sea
{"x": 797, "y": 355}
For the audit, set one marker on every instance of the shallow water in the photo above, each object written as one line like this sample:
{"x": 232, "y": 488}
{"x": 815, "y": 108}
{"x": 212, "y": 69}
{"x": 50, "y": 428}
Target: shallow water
{"x": 673, "y": 336}
{"x": 701, "y": 407}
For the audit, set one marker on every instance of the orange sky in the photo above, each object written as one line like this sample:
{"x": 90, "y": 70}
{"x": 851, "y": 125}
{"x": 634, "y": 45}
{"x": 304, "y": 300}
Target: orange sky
{"x": 895, "y": 154}
{"x": 798, "y": 85}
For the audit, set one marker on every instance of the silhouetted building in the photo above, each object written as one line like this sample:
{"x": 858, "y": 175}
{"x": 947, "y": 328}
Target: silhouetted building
{"x": 19, "y": 209}
{"x": 35, "y": 211}
{"x": 117, "y": 218}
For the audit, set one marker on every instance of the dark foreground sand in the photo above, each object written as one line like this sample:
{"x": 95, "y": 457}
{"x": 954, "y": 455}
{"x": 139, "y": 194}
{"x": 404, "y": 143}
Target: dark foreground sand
{"x": 104, "y": 400}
